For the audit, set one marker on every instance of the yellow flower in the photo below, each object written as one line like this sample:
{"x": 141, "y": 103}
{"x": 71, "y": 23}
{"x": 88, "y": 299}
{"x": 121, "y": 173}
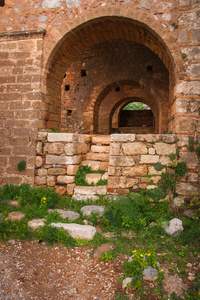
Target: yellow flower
{"x": 149, "y": 254}
{"x": 141, "y": 255}
{"x": 134, "y": 251}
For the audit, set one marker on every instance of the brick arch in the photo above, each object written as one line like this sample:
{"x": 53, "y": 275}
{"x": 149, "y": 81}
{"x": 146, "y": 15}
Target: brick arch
{"x": 123, "y": 102}
{"x": 65, "y": 44}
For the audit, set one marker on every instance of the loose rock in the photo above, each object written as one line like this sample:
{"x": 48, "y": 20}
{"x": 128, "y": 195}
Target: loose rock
{"x": 103, "y": 249}
{"x": 35, "y": 223}
{"x": 175, "y": 227}
{"x": 77, "y": 231}
{"x": 89, "y": 209}
{"x": 15, "y": 216}
{"x": 71, "y": 215}
{"x": 150, "y": 274}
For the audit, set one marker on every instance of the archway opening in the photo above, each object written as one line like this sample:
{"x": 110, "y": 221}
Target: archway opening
{"x": 97, "y": 65}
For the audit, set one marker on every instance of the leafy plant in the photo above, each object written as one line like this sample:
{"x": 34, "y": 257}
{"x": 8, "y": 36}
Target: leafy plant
{"x": 168, "y": 182}
{"x": 53, "y": 129}
{"x": 81, "y": 175}
{"x": 184, "y": 55}
{"x": 172, "y": 156}
{"x": 107, "y": 256}
{"x": 158, "y": 166}
{"x": 21, "y": 165}
{"x": 181, "y": 168}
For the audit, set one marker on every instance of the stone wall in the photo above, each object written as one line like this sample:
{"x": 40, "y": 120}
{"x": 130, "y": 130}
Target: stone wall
{"x": 20, "y": 101}
{"x": 129, "y": 160}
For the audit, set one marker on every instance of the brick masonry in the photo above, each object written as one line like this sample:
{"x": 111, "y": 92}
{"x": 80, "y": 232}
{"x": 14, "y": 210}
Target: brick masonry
{"x": 33, "y": 64}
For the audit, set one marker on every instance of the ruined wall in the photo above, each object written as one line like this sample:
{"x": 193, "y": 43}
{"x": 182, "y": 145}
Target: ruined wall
{"x": 33, "y": 65}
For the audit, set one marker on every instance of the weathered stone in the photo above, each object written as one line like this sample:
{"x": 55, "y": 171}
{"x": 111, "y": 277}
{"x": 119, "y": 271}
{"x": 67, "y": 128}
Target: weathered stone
{"x": 85, "y": 197}
{"x": 115, "y": 149}
{"x": 73, "y": 3}
{"x": 101, "y": 139}
{"x": 127, "y": 182}
{"x": 42, "y": 136}
{"x": 70, "y": 188}
{"x": 89, "y": 209}
{"x": 191, "y": 159}
{"x": 97, "y": 156}
{"x": 100, "y": 149}
{"x": 71, "y": 215}
{"x": 186, "y": 189}
{"x": 126, "y": 281}
{"x": 104, "y": 166}
{"x": 38, "y": 161}
{"x": 112, "y": 171}
{"x": 178, "y": 201}
{"x": 105, "y": 176}
{"x": 150, "y": 274}
{"x": 90, "y": 190}
{"x": 77, "y": 231}
{"x": 169, "y": 138}
{"x": 42, "y": 172}
{"x": 164, "y": 149}
{"x": 140, "y": 170}
{"x": 150, "y": 138}
{"x": 35, "y": 223}
{"x": 40, "y": 180}
{"x": 123, "y": 161}
{"x": 136, "y": 148}
{"x": 65, "y": 179}
{"x": 92, "y": 178}
{"x": 15, "y": 216}
{"x": 39, "y": 148}
{"x": 113, "y": 182}
{"x": 54, "y": 148}
{"x": 70, "y": 149}
{"x": 122, "y": 137}
{"x": 175, "y": 227}
{"x": 51, "y": 180}
{"x": 188, "y": 87}
{"x": 95, "y": 165}
{"x": 62, "y": 137}
{"x": 72, "y": 169}
{"x": 68, "y": 160}
{"x": 103, "y": 249}
{"x": 152, "y": 171}
{"x": 52, "y": 3}
{"x": 165, "y": 160}
{"x": 151, "y": 151}
{"x": 145, "y": 4}
{"x": 13, "y": 203}
{"x": 60, "y": 190}
{"x": 149, "y": 159}
{"x": 58, "y": 171}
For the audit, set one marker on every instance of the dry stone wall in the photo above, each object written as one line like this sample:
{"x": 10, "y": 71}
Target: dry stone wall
{"x": 130, "y": 160}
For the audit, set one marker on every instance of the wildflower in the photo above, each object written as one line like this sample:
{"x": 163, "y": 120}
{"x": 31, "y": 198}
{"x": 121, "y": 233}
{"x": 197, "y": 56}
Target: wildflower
{"x": 149, "y": 254}
{"x": 141, "y": 255}
{"x": 134, "y": 251}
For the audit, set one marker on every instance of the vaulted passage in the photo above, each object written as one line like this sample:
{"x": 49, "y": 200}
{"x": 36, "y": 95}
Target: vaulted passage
{"x": 101, "y": 66}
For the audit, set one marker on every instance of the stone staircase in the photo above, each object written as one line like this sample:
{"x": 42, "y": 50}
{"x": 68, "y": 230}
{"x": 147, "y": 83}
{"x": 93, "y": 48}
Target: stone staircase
{"x": 98, "y": 159}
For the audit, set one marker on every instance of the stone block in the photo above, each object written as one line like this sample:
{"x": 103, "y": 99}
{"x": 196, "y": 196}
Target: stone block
{"x": 113, "y": 182}
{"x": 77, "y": 231}
{"x": 90, "y": 190}
{"x": 60, "y": 190}
{"x": 191, "y": 159}
{"x": 184, "y": 3}
{"x": 42, "y": 172}
{"x": 164, "y": 149}
{"x": 183, "y": 36}
{"x": 65, "y": 179}
{"x": 149, "y": 138}
{"x": 145, "y": 4}
{"x": 15, "y": 216}
{"x": 175, "y": 227}
{"x": 122, "y": 137}
{"x": 115, "y": 149}
{"x": 40, "y": 180}
{"x": 97, "y": 156}
{"x": 127, "y": 182}
{"x": 140, "y": 170}
{"x": 51, "y": 180}
{"x": 186, "y": 189}
{"x": 150, "y": 274}
{"x": 123, "y": 161}
{"x": 71, "y": 215}
{"x": 101, "y": 139}
{"x": 54, "y": 148}
{"x": 63, "y": 160}
{"x": 71, "y": 149}
{"x": 92, "y": 178}
{"x": 95, "y": 165}
{"x": 136, "y": 148}
{"x": 72, "y": 169}
{"x": 36, "y": 223}
{"x": 39, "y": 148}
{"x": 104, "y": 166}
{"x": 38, "y": 161}
{"x": 62, "y": 137}
{"x": 151, "y": 151}
{"x": 188, "y": 88}
{"x": 149, "y": 159}
{"x": 169, "y": 138}
{"x": 70, "y": 188}
{"x": 89, "y": 209}
{"x": 57, "y": 171}
{"x": 165, "y": 160}
{"x": 152, "y": 171}
{"x": 100, "y": 149}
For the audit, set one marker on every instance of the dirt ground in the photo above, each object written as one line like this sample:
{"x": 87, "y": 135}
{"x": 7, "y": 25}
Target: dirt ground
{"x": 30, "y": 270}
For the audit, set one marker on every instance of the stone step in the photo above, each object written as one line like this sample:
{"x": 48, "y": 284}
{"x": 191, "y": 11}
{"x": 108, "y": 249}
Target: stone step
{"x": 101, "y": 140}
{"x": 90, "y": 190}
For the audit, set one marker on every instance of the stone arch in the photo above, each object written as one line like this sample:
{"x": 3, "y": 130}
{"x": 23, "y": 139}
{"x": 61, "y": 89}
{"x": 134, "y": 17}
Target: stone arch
{"x": 121, "y": 104}
{"x": 63, "y": 45}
